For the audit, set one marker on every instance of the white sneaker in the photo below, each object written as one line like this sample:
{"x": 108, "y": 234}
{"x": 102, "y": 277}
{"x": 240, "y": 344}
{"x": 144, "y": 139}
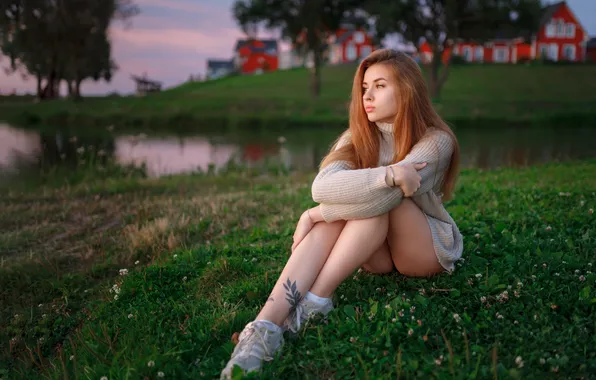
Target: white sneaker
{"x": 255, "y": 344}
{"x": 305, "y": 310}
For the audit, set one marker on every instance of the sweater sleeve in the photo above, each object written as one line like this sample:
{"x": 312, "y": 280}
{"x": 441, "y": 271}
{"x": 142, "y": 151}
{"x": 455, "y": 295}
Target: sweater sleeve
{"x": 338, "y": 183}
{"x": 435, "y": 149}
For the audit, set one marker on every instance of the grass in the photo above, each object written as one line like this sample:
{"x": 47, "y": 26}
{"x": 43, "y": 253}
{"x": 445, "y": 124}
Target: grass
{"x": 473, "y": 95}
{"x": 132, "y": 277}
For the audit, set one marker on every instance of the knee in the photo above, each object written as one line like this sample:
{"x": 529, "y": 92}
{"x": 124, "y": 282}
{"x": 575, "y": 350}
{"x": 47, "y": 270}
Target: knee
{"x": 324, "y": 230}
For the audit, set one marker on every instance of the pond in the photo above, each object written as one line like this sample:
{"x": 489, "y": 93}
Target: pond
{"x": 24, "y": 150}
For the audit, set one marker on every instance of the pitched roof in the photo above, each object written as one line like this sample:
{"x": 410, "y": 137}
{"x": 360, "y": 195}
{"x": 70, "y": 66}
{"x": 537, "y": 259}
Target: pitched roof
{"x": 267, "y": 45}
{"x": 591, "y": 43}
{"x": 215, "y": 64}
{"x": 549, "y": 11}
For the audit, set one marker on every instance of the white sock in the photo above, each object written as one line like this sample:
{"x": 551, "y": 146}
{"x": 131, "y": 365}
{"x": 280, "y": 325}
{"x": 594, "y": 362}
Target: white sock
{"x": 269, "y": 325}
{"x": 314, "y": 298}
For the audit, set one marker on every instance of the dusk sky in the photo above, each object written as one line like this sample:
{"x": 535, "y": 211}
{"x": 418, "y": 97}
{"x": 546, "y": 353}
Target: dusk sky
{"x": 171, "y": 39}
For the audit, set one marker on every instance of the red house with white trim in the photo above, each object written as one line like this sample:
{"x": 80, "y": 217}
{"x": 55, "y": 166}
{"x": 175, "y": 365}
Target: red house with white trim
{"x": 253, "y": 56}
{"x": 560, "y": 37}
{"x": 349, "y": 44}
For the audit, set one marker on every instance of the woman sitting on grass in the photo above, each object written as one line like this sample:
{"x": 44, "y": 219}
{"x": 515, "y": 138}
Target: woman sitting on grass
{"x": 380, "y": 192}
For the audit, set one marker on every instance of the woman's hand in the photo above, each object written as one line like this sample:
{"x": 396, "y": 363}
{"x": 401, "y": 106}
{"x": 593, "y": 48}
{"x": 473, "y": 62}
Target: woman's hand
{"x": 305, "y": 224}
{"x": 407, "y": 177}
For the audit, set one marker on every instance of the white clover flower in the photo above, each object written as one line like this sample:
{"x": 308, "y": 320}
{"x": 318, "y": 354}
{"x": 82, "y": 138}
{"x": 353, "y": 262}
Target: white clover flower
{"x": 137, "y": 262}
{"x": 130, "y": 316}
{"x": 104, "y": 378}
{"x": 412, "y": 309}
{"x": 520, "y": 284}
{"x": 457, "y": 318}
{"x": 150, "y": 363}
{"x": 519, "y": 362}
{"x": 71, "y": 357}
{"x": 582, "y": 278}
{"x": 123, "y": 272}
{"x": 478, "y": 275}
{"x": 160, "y": 374}
{"x": 116, "y": 297}
{"x": 483, "y": 299}
{"x": 394, "y": 320}
{"x": 542, "y": 361}
{"x": 410, "y": 332}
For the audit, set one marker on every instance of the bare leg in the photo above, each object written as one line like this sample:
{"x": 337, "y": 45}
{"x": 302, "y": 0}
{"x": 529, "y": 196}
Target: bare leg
{"x": 358, "y": 241}
{"x": 300, "y": 271}
{"x": 411, "y": 247}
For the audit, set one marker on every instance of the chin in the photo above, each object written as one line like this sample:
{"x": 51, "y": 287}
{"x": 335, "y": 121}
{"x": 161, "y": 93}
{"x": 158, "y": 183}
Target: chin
{"x": 372, "y": 118}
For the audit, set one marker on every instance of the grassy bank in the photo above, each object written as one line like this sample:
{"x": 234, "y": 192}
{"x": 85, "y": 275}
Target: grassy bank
{"x": 473, "y": 95}
{"x": 133, "y": 277}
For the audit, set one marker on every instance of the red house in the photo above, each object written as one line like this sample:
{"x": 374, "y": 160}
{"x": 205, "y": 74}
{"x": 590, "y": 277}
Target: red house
{"x": 256, "y": 56}
{"x": 560, "y": 37}
{"x": 349, "y": 44}
{"x": 591, "y": 50}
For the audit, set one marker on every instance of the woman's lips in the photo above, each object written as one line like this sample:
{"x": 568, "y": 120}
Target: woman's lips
{"x": 369, "y": 109}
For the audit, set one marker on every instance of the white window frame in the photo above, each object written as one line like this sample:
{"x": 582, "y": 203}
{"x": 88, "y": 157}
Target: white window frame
{"x": 505, "y": 51}
{"x": 553, "y": 52}
{"x": 561, "y": 28}
{"x": 468, "y": 54}
{"x": 479, "y": 54}
{"x": 573, "y": 50}
{"x": 351, "y": 53}
{"x": 358, "y": 37}
{"x": 550, "y": 30}
{"x": 570, "y": 30}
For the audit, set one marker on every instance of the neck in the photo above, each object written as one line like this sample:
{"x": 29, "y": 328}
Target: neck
{"x": 385, "y": 127}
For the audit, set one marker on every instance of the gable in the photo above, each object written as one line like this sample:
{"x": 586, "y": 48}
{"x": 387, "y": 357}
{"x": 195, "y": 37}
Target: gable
{"x": 559, "y": 11}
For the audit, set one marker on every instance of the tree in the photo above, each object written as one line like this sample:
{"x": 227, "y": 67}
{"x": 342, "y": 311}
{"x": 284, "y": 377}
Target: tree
{"x": 440, "y": 22}
{"x": 307, "y": 23}
{"x": 57, "y": 40}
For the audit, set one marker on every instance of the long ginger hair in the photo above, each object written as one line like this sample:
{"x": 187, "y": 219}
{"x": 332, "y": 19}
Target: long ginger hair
{"x": 415, "y": 114}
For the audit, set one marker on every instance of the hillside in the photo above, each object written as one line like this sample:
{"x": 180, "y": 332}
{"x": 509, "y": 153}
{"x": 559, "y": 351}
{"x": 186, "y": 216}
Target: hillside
{"x": 488, "y": 92}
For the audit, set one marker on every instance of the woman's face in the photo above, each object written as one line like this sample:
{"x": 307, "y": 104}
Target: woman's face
{"x": 378, "y": 94}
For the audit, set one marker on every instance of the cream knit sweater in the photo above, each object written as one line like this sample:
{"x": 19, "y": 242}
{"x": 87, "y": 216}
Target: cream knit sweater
{"x": 344, "y": 193}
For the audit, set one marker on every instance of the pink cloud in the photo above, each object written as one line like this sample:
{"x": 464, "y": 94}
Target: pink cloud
{"x": 176, "y": 40}
{"x": 177, "y": 6}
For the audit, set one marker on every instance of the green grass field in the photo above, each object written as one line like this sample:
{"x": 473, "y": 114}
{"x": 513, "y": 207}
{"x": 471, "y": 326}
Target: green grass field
{"x": 132, "y": 277}
{"x": 473, "y": 94}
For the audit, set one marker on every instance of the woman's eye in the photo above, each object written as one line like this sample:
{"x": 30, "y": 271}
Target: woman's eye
{"x": 380, "y": 85}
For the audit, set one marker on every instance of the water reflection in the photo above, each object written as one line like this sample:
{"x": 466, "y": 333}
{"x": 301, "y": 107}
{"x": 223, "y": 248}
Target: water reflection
{"x": 22, "y": 149}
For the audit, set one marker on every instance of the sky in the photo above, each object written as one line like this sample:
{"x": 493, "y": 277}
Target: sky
{"x": 172, "y": 39}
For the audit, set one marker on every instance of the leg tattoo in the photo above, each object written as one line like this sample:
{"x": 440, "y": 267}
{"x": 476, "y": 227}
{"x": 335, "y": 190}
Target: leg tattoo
{"x": 292, "y": 295}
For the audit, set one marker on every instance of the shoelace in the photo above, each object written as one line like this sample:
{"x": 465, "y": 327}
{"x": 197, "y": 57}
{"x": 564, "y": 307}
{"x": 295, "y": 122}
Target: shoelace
{"x": 253, "y": 331}
{"x": 298, "y": 314}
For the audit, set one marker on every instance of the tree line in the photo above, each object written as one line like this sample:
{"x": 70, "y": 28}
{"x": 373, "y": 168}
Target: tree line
{"x": 67, "y": 40}
{"x": 59, "y": 41}
{"x": 309, "y": 23}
